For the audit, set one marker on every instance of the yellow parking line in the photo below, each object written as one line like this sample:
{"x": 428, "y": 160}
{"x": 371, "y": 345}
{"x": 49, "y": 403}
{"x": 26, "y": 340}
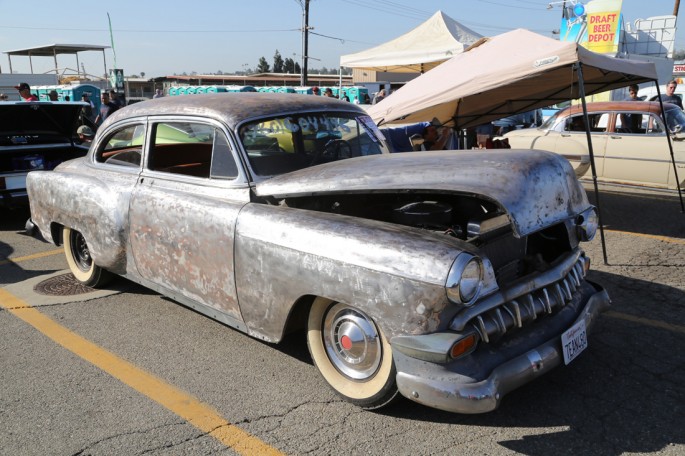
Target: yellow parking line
{"x": 31, "y": 257}
{"x": 651, "y": 236}
{"x": 191, "y": 409}
{"x": 646, "y": 321}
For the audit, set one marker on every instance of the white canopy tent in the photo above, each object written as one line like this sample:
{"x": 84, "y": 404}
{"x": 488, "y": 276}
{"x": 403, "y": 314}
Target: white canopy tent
{"x": 419, "y": 50}
{"x": 510, "y": 73}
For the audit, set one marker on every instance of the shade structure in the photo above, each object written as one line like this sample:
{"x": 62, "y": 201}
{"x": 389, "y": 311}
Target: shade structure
{"x": 419, "y": 50}
{"x": 507, "y": 74}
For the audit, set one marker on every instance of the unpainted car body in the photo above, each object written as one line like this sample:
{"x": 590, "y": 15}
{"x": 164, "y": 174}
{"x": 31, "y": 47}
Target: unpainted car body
{"x": 628, "y": 140}
{"x": 451, "y": 277}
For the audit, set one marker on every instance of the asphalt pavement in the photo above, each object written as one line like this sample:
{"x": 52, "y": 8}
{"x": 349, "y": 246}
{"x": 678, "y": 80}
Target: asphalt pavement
{"x": 190, "y": 385}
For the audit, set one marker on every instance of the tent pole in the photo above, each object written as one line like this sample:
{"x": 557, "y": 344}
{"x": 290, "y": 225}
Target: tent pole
{"x": 586, "y": 119}
{"x": 670, "y": 145}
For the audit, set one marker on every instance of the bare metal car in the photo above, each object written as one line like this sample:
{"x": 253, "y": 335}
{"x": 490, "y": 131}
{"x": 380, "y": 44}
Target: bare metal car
{"x": 628, "y": 140}
{"x": 451, "y": 277}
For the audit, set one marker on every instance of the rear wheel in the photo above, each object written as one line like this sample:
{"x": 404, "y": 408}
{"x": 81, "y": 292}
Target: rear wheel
{"x": 351, "y": 353}
{"x": 80, "y": 262}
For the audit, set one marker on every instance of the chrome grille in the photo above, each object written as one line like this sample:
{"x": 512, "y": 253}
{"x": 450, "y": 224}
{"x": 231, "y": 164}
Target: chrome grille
{"x": 526, "y": 300}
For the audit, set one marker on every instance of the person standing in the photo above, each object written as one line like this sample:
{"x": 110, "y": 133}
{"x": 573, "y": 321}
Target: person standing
{"x": 106, "y": 108}
{"x": 25, "y": 92}
{"x": 632, "y": 93}
{"x": 670, "y": 96}
{"x": 158, "y": 93}
{"x": 379, "y": 96}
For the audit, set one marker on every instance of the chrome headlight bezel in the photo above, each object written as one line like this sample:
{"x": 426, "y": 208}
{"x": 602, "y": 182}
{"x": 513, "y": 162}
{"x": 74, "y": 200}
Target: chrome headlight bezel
{"x": 587, "y": 224}
{"x": 465, "y": 279}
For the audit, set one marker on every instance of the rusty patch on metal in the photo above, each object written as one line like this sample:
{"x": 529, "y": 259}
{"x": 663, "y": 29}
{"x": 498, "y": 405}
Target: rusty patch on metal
{"x": 62, "y": 285}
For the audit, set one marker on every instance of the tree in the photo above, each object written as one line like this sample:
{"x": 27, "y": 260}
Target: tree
{"x": 298, "y": 68}
{"x": 263, "y": 66}
{"x": 278, "y": 63}
{"x": 142, "y": 74}
{"x": 289, "y": 65}
{"x": 679, "y": 54}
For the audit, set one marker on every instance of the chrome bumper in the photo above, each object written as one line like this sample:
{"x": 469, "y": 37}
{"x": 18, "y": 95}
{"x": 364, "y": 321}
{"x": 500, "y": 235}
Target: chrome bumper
{"x": 434, "y": 385}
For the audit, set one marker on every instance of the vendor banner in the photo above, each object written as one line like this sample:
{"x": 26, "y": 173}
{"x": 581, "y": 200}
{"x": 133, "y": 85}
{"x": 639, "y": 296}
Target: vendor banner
{"x": 595, "y": 25}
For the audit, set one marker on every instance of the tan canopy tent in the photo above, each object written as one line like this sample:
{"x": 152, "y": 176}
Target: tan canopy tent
{"x": 431, "y": 43}
{"x": 510, "y": 73}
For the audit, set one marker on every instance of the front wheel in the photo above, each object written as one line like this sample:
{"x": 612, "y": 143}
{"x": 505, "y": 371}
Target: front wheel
{"x": 351, "y": 353}
{"x": 80, "y": 262}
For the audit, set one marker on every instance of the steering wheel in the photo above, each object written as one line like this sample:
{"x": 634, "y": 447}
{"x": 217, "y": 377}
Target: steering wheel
{"x": 335, "y": 149}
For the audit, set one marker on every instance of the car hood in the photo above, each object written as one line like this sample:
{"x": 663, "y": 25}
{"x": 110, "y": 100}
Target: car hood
{"x": 535, "y": 188}
{"x": 39, "y": 118}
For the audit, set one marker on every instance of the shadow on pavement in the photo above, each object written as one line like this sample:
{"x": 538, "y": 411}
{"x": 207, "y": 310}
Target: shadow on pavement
{"x": 620, "y": 396}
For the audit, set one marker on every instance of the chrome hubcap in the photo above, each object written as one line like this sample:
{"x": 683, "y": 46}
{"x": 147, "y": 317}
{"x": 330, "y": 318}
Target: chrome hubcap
{"x": 352, "y": 342}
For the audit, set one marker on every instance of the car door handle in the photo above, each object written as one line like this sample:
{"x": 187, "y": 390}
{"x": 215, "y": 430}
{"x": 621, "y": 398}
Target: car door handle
{"x": 616, "y": 137}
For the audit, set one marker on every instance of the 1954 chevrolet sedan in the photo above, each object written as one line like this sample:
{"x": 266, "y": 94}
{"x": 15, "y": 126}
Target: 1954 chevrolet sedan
{"x": 449, "y": 277}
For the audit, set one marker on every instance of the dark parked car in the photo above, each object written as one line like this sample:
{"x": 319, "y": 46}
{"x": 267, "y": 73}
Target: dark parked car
{"x": 34, "y": 135}
{"x": 449, "y": 277}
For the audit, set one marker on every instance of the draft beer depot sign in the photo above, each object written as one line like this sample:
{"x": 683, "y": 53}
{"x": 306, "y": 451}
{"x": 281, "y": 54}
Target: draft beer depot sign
{"x": 595, "y": 25}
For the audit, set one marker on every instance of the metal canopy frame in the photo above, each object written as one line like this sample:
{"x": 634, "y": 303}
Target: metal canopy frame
{"x": 53, "y": 50}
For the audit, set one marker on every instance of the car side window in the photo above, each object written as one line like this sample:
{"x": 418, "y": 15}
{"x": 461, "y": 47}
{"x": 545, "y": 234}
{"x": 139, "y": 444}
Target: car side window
{"x": 191, "y": 149}
{"x": 631, "y": 122}
{"x": 123, "y": 147}
{"x": 598, "y": 123}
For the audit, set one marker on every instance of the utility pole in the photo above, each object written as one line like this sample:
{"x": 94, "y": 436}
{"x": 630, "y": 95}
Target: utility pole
{"x": 676, "y": 7}
{"x": 305, "y": 41}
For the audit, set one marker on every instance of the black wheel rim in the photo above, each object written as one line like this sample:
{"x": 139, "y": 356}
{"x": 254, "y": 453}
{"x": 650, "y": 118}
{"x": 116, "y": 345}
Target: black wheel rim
{"x": 79, "y": 251}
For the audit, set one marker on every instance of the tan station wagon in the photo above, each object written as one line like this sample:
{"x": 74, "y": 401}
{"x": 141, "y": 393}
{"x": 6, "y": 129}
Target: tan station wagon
{"x": 628, "y": 140}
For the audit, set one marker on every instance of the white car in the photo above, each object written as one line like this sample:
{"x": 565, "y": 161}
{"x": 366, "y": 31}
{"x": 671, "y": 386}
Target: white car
{"x": 628, "y": 140}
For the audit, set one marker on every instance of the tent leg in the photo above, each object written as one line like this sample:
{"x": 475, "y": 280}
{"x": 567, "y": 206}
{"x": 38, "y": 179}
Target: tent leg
{"x": 670, "y": 146}
{"x": 586, "y": 119}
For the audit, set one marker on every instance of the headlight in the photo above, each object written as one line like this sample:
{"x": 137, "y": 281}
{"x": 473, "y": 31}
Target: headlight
{"x": 465, "y": 279}
{"x": 586, "y": 225}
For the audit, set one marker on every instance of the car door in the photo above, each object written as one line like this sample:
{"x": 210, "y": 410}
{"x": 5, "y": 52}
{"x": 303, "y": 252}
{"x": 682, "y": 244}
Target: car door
{"x": 183, "y": 214}
{"x": 637, "y": 150}
{"x": 572, "y": 141}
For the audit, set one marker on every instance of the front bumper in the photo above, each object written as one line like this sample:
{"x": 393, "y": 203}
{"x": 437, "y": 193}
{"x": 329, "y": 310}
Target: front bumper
{"x": 449, "y": 388}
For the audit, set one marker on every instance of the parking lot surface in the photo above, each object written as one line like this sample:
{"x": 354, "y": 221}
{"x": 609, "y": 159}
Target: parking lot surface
{"x": 127, "y": 371}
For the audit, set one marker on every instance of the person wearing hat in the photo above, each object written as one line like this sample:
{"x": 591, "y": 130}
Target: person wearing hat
{"x": 85, "y": 134}
{"x": 52, "y": 95}
{"x": 315, "y": 90}
{"x": 25, "y": 92}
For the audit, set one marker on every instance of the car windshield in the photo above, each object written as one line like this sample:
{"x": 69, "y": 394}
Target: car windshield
{"x": 551, "y": 121}
{"x": 676, "y": 119}
{"x": 283, "y": 144}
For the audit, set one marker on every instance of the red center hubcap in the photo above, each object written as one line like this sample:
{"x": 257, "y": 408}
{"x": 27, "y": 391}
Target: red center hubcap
{"x": 346, "y": 342}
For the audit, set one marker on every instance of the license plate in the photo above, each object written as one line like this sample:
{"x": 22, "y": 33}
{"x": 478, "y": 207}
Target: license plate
{"x": 574, "y": 341}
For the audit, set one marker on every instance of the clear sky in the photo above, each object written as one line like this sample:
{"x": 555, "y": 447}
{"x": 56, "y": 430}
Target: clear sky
{"x": 206, "y": 36}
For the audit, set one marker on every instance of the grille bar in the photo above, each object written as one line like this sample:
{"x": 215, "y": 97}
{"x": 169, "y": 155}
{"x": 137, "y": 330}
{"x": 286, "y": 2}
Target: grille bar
{"x": 494, "y": 323}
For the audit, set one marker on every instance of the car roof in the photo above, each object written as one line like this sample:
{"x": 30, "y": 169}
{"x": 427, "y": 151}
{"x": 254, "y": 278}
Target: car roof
{"x": 234, "y": 108}
{"x": 601, "y": 106}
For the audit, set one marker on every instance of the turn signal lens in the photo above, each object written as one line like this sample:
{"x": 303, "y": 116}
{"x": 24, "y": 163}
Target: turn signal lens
{"x": 463, "y": 346}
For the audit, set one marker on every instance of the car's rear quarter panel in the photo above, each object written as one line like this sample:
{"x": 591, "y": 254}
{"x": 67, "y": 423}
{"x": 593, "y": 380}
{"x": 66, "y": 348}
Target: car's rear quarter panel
{"x": 93, "y": 202}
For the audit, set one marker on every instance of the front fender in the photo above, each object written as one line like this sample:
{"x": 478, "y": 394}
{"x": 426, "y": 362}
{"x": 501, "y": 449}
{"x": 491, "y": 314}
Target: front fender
{"x": 393, "y": 273}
